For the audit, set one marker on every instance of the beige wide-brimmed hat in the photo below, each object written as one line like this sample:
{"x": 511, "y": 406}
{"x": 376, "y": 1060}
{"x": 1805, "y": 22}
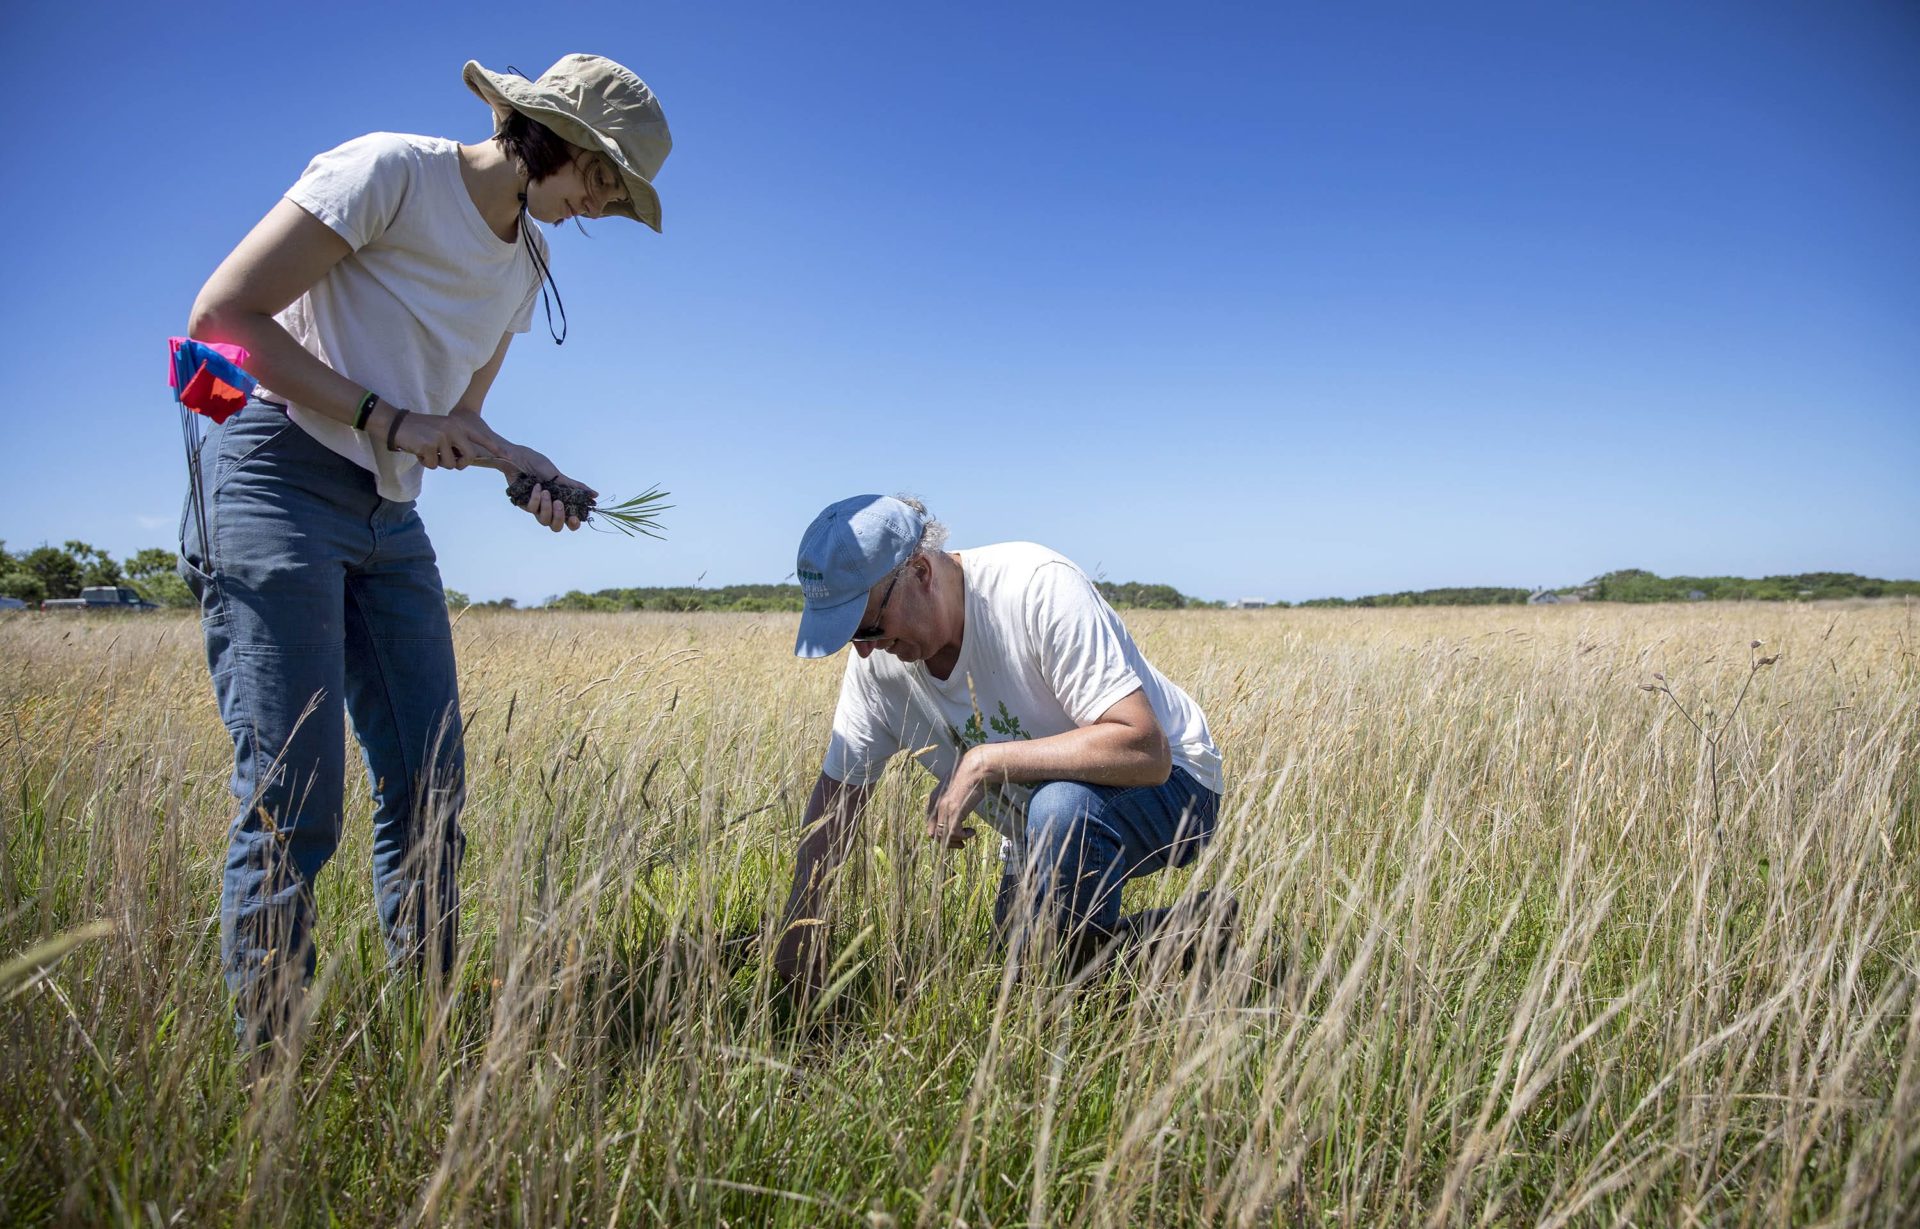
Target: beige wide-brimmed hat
{"x": 592, "y": 102}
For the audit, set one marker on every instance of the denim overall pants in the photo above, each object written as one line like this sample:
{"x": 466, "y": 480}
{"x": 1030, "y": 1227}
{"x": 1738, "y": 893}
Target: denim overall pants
{"x": 319, "y": 599}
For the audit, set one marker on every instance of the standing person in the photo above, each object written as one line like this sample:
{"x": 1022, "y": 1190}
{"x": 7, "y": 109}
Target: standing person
{"x": 1007, "y": 675}
{"x": 377, "y": 301}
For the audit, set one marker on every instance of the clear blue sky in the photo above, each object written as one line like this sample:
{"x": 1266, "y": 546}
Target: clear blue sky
{"x": 1256, "y": 299}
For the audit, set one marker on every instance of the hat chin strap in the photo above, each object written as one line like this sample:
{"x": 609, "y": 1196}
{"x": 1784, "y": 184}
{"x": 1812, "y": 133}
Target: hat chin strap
{"x": 546, "y": 274}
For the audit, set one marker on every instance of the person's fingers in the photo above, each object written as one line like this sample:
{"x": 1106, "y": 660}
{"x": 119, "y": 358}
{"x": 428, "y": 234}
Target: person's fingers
{"x": 941, "y": 827}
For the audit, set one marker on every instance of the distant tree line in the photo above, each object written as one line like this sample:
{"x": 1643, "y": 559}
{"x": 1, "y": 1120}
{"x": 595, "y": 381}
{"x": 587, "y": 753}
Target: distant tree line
{"x": 62, "y": 571}
{"x": 1131, "y": 595}
{"x": 683, "y": 598}
{"x": 1636, "y": 585}
{"x": 1639, "y": 585}
{"x": 52, "y": 572}
{"x": 1134, "y": 595}
{"x": 1479, "y": 595}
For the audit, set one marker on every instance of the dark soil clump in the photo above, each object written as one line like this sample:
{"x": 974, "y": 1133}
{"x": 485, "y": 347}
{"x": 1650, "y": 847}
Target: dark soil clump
{"x": 578, "y": 499}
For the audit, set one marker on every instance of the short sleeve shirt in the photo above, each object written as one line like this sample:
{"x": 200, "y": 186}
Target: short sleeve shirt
{"x": 422, "y": 301}
{"x": 1042, "y": 653}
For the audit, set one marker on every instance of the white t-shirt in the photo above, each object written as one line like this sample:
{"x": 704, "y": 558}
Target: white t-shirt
{"x": 423, "y": 300}
{"x": 1042, "y": 653}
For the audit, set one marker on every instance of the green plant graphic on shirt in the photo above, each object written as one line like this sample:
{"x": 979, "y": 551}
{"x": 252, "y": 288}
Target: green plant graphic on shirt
{"x": 1004, "y": 805}
{"x": 970, "y": 735}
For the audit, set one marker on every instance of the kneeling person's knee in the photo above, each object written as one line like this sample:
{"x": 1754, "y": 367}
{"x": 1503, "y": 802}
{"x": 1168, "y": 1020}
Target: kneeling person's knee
{"x": 1058, "y": 813}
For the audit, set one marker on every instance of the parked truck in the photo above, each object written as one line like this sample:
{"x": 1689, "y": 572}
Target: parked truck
{"x": 102, "y": 597}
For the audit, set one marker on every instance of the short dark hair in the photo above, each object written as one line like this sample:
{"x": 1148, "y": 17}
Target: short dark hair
{"x": 534, "y": 146}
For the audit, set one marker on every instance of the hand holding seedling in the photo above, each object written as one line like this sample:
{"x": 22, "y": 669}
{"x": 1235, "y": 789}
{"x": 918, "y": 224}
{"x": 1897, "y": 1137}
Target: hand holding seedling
{"x": 549, "y": 509}
{"x": 552, "y": 498}
{"x": 639, "y": 515}
{"x": 452, "y": 441}
{"x": 534, "y": 483}
{"x": 463, "y": 438}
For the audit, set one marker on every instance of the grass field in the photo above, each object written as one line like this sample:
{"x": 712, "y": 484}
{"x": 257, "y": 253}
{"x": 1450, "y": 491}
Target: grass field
{"x": 1522, "y": 943}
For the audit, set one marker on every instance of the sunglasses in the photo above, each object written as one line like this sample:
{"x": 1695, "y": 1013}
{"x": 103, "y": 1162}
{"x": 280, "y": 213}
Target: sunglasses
{"x": 873, "y": 631}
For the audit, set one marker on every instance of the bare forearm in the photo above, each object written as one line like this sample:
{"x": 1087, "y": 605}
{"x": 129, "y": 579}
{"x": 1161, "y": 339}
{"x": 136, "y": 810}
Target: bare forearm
{"x": 1125, "y": 747}
{"x": 283, "y": 256}
{"x": 820, "y": 854}
{"x": 830, "y": 822}
{"x": 280, "y": 362}
{"x": 1100, "y": 754}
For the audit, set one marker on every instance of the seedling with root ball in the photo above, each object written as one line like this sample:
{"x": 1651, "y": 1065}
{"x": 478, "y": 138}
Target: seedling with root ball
{"x": 633, "y": 517}
{"x": 639, "y": 515}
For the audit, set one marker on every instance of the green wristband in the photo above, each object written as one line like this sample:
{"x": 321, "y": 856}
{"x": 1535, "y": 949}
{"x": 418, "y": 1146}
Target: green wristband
{"x": 365, "y": 412}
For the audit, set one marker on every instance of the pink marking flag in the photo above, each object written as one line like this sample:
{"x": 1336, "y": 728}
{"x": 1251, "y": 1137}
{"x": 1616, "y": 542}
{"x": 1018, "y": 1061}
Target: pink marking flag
{"x": 209, "y": 378}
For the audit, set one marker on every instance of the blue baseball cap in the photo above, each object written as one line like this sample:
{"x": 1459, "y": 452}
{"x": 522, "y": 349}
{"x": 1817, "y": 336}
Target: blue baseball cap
{"x": 847, "y": 550}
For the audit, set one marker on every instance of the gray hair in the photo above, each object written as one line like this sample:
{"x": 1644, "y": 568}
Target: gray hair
{"x": 932, "y": 537}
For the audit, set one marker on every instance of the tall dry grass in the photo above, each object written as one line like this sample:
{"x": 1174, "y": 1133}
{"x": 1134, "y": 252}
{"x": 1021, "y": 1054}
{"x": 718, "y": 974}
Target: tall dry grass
{"x": 1520, "y": 945}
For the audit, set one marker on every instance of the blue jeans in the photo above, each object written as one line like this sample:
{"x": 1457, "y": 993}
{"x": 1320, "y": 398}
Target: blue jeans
{"x": 1083, "y": 842}
{"x": 316, "y": 591}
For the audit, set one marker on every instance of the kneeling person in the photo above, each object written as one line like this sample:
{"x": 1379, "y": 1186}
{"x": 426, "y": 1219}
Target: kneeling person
{"x": 1004, "y": 672}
